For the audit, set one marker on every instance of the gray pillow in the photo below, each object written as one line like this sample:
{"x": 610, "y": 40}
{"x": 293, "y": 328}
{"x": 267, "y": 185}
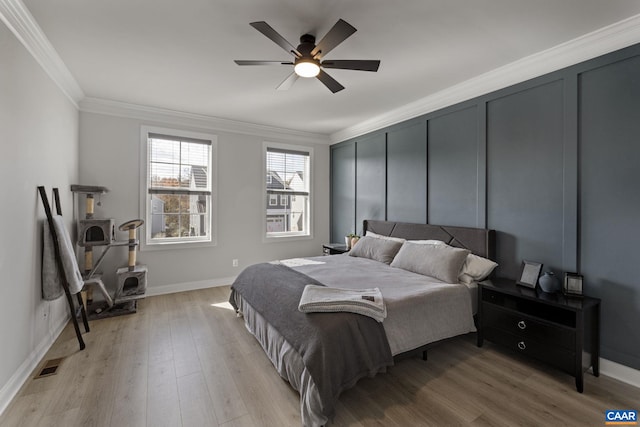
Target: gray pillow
{"x": 440, "y": 261}
{"x": 382, "y": 250}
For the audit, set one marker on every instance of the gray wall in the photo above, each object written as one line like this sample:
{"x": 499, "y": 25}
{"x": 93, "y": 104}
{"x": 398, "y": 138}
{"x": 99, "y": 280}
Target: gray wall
{"x": 39, "y": 145}
{"x": 109, "y": 156}
{"x": 551, "y": 164}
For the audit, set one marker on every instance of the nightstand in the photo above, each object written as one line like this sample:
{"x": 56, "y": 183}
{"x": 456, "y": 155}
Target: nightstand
{"x": 334, "y": 249}
{"x": 552, "y": 328}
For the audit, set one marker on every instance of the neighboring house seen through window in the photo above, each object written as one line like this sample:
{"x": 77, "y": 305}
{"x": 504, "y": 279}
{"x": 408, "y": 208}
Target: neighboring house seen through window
{"x": 179, "y": 186}
{"x": 288, "y": 171}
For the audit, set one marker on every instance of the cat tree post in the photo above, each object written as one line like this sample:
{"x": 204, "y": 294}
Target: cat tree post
{"x": 90, "y": 231}
{"x": 132, "y": 280}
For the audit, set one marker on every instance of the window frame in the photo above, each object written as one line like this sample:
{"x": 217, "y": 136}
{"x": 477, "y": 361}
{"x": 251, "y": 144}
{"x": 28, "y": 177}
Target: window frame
{"x": 287, "y": 236}
{"x": 146, "y": 242}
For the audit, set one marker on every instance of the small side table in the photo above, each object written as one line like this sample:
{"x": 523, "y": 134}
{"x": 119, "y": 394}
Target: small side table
{"x": 549, "y": 327}
{"x": 334, "y": 248}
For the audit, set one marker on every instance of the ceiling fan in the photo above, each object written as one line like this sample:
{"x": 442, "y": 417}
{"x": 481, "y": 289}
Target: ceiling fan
{"x": 308, "y": 56}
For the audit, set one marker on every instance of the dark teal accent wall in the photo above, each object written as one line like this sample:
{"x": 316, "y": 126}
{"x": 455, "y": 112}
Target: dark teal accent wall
{"x": 370, "y": 179}
{"x": 453, "y": 168}
{"x": 552, "y": 164}
{"x": 609, "y": 147}
{"x": 343, "y": 190}
{"x": 407, "y": 173}
{"x": 524, "y": 176}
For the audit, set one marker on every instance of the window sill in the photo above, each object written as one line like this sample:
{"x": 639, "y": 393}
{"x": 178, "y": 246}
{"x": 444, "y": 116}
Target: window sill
{"x": 150, "y": 247}
{"x": 286, "y": 238}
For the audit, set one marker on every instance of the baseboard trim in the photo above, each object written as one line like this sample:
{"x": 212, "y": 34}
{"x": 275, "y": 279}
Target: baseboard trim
{"x": 10, "y": 390}
{"x": 620, "y": 372}
{"x": 188, "y": 286}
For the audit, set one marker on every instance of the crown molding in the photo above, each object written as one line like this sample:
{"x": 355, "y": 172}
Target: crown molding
{"x": 180, "y": 118}
{"x": 19, "y": 20}
{"x": 605, "y": 40}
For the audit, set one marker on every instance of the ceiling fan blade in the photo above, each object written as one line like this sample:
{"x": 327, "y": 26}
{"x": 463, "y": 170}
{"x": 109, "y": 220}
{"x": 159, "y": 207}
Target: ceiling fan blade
{"x": 348, "y": 64}
{"x": 243, "y": 62}
{"x": 329, "y": 82}
{"x": 288, "y": 82}
{"x": 336, "y": 35}
{"x": 272, "y": 34}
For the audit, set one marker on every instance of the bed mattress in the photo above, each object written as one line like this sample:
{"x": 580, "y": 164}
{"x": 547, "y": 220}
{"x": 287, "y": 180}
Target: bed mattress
{"x": 420, "y": 310}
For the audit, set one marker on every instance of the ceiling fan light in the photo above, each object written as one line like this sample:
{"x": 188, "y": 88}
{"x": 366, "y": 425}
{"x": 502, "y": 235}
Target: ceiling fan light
{"x": 307, "y": 68}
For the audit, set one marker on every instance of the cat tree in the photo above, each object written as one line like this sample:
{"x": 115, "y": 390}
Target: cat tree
{"x": 100, "y": 233}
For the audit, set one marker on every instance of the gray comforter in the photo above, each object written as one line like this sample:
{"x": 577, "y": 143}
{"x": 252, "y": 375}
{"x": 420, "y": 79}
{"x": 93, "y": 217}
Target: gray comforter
{"x": 337, "y": 348}
{"x": 420, "y": 309}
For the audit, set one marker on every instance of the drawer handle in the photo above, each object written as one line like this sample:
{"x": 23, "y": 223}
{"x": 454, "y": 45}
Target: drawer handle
{"x": 522, "y": 325}
{"x": 521, "y": 345}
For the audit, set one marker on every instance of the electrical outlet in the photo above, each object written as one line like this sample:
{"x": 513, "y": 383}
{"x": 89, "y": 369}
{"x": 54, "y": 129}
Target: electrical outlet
{"x": 234, "y": 262}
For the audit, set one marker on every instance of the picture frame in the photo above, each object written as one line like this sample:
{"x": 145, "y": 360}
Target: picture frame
{"x": 529, "y": 274}
{"x": 572, "y": 284}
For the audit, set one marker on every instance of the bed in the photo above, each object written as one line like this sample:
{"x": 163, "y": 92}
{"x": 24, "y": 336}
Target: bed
{"x": 323, "y": 354}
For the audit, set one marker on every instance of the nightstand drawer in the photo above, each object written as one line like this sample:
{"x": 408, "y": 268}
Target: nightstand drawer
{"x": 558, "y": 357}
{"x": 528, "y": 327}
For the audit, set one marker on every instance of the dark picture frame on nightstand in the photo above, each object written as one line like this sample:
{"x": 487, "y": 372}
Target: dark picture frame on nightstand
{"x": 529, "y": 274}
{"x": 572, "y": 284}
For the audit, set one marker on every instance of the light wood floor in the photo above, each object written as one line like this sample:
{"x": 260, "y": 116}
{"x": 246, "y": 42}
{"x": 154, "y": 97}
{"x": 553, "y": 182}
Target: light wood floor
{"x": 187, "y": 360}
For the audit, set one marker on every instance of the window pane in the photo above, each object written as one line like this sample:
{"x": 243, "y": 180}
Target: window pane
{"x": 275, "y": 223}
{"x": 298, "y": 215}
{"x": 179, "y": 216}
{"x": 163, "y": 150}
{"x": 164, "y": 175}
{"x": 198, "y": 177}
{"x": 195, "y": 154}
{"x": 171, "y": 203}
{"x": 175, "y": 163}
{"x": 164, "y": 225}
{"x": 287, "y": 172}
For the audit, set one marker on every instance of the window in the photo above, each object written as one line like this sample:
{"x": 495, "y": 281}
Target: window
{"x": 288, "y": 172}
{"x": 178, "y": 186}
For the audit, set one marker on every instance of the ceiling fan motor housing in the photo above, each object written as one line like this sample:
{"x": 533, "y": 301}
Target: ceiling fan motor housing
{"x": 307, "y": 44}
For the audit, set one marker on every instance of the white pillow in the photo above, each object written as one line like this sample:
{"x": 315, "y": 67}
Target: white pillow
{"x": 476, "y": 268}
{"x": 383, "y": 250}
{"x": 443, "y": 262}
{"x": 380, "y": 236}
{"x": 427, "y": 242}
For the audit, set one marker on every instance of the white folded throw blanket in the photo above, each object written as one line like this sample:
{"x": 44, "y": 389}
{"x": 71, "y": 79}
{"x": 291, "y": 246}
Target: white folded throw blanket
{"x": 51, "y": 285}
{"x": 367, "y": 302}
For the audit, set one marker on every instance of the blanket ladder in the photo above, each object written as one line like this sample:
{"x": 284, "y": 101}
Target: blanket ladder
{"x": 75, "y": 311}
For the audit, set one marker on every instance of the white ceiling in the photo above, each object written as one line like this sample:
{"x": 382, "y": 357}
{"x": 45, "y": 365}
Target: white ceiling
{"x": 178, "y": 55}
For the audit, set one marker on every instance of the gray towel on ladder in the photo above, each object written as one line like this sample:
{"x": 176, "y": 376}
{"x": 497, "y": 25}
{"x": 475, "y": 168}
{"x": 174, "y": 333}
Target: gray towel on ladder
{"x": 51, "y": 284}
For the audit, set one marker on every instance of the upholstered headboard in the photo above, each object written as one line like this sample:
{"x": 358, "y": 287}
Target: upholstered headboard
{"x": 479, "y": 241}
